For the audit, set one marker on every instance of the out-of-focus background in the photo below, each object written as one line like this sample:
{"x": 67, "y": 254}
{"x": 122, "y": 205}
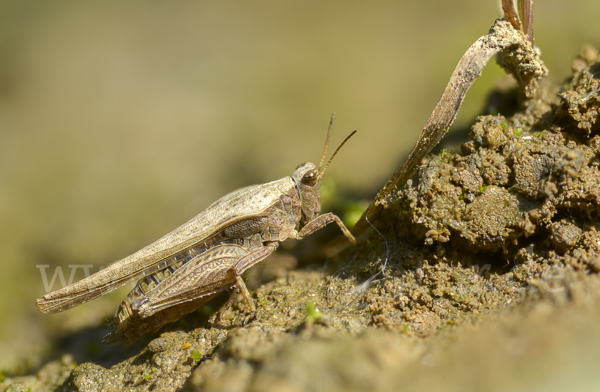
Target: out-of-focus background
{"x": 121, "y": 120}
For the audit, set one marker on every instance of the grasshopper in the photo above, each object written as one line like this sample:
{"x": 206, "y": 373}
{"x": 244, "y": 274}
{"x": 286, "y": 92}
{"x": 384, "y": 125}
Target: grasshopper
{"x": 207, "y": 255}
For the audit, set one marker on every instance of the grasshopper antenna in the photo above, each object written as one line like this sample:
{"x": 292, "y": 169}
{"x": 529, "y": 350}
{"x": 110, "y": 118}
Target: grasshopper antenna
{"x": 335, "y": 152}
{"x": 326, "y": 142}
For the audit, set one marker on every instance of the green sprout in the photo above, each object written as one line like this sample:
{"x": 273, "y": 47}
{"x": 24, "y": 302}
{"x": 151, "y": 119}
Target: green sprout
{"x": 312, "y": 314}
{"x": 196, "y": 356}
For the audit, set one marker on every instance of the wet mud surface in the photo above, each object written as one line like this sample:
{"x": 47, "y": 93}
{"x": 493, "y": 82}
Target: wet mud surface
{"x": 490, "y": 282}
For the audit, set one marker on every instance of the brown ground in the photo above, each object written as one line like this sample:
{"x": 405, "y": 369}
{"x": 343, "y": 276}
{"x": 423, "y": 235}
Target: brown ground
{"x": 490, "y": 281}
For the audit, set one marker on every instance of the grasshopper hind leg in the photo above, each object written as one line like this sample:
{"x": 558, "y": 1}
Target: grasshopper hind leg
{"x": 238, "y": 269}
{"x": 207, "y": 274}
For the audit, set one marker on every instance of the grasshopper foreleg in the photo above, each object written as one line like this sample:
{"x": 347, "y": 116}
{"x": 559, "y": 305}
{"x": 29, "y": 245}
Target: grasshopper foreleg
{"x": 320, "y": 222}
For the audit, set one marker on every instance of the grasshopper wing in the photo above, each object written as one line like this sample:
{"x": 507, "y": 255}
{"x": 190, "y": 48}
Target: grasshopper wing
{"x": 205, "y": 229}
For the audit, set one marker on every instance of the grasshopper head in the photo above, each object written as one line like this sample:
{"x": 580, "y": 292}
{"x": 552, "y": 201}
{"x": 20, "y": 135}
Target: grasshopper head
{"x": 308, "y": 183}
{"x": 307, "y": 178}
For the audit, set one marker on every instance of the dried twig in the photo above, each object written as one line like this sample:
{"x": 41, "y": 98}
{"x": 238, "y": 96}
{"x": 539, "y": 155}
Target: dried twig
{"x": 518, "y": 57}
{"x": 510, "y": 14}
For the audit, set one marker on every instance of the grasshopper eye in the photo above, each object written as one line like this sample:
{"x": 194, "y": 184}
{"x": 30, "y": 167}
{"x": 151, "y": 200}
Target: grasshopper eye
{"x": 310, "y": 178}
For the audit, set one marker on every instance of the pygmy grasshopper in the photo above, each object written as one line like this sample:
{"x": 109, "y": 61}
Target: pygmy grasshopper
{"x": 207, "y": 255}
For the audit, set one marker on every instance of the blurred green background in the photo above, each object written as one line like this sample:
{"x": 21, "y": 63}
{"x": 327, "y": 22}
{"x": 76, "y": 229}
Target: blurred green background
{"x": 121, "y": 120}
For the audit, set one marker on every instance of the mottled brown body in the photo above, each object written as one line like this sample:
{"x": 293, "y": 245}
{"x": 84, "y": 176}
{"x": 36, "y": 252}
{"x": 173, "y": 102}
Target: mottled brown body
{"x": 205, "y": 256}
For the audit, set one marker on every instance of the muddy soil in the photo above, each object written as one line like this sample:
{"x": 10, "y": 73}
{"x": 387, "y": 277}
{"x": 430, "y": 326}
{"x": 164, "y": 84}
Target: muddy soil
{"x": 486, "y": 279}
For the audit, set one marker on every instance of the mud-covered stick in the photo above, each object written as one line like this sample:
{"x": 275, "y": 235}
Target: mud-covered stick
{"x": 519, "y": 58}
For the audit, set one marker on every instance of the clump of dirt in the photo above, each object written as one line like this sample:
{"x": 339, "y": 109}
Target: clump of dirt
{"x": 495, "y": 248}
{"x": 533, "y": 175}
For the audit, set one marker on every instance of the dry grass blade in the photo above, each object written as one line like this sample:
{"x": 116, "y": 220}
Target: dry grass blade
{"x": 526, "y": 12}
